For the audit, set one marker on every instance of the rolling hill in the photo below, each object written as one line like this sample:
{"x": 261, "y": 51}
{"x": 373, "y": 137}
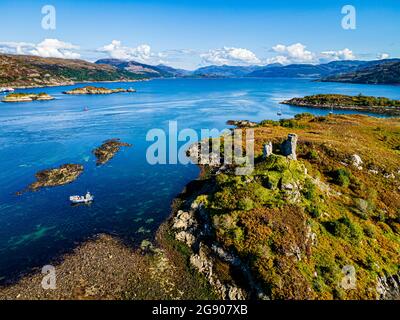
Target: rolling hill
{"x": 32, "y": 71}
{"x": 385, "y": 72}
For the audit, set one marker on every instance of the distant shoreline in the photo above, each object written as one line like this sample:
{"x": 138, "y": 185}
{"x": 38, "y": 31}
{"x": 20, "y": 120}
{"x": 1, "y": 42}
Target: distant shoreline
{"x": 75, "y": 83}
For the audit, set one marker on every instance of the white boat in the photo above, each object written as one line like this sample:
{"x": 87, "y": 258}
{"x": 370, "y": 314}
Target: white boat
{"x": 3, "y": 90}
{"x": 82, "y": 199}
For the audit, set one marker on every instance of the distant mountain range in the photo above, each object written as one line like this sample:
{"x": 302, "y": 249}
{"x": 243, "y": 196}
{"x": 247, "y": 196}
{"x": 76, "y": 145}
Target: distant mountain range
{"x": 32, "y": 71}
{"x": 377, "y": 71}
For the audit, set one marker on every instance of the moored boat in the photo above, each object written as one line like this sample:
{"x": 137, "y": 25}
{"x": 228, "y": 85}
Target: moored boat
{"x": 4, "y": 90}
{"x": 82, "y": 199}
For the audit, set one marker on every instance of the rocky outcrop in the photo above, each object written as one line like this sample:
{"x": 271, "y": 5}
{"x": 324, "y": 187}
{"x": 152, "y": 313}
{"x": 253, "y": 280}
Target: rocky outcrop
{"x": 65, "y": 174}
{"x": 186, "y": 225}
{"x": 108, "y": 149}
{"x": 27, "y": 97}
{"x": 204, "y": 264}
{"x": 242, "y": 123}
{"x": 388, "y": 287}
{"x": 356, "y": 161}
{"x": 200, "y": 153}
{"x": 97, "y": 90}
{"x": 193, "y": 228}
{"x": 288, "y": 147}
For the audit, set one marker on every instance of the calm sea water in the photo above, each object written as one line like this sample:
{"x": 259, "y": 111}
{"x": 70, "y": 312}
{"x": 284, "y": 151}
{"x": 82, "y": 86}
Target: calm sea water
{"x": 132, "y": 197}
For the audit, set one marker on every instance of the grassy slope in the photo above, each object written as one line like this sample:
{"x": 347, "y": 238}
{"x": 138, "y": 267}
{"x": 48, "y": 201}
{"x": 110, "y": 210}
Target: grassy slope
{"x": 353, "y": 213}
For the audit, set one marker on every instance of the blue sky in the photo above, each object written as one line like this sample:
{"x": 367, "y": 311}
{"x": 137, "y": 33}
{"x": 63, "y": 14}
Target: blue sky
{"x": 189, "y": 34}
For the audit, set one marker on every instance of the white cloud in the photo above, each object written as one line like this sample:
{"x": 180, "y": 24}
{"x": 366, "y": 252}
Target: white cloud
{"x": 54, "y": 48}
{"x": 345, "y": 54}
{"x": 230, "y": 56}
{"x": 295, "y": 53}
{"x": 141, "y": 53}
{"x": 48, "y": 48}
{"x": 381, "y": 56}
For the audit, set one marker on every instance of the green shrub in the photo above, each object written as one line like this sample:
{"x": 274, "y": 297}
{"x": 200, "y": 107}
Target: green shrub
{"x": 341, "y": 177}
{"x": 265, "y": 123}
{"x": 312, "y": 155}
{"x": 344, "y": 228}
{"x": 303, "y": 115}
{"x": 309, "y": 190}
{"x": 314, "y": 211}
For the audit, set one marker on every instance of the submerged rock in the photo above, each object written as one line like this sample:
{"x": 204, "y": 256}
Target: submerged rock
{"x": 108, "y": 149}
{"x": 56, "y": 177}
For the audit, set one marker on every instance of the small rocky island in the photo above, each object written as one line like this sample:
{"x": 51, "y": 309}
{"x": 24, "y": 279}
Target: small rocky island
{"x": 27, "y": 97}
{"x": 108, "y": 149}
{"x": 97, "y": 90}
{"x": 379, "y": 105}
{"x": 62, "y": 175}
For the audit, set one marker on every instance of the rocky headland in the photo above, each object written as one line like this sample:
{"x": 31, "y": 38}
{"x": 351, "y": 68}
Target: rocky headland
{"x": 27, "y": 97}
{"x": 97, "y": 90}
{"x": 378, "y": 105}
{"x": 307, "y": 223}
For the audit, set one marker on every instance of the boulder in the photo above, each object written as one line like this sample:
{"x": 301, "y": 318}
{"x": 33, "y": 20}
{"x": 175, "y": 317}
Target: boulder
{"x": 356, "y": 161}
{"x": 184, "y": 220}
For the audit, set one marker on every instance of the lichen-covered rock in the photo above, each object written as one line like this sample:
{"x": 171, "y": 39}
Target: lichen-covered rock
{"x": 186, "y": 237}
{"x": 184, "y": 220}
{"x": 288, "y": 147}
{"x": 200, "y": 153}
{"x": 108, "y": 149}
{"x": 356, "y": 161}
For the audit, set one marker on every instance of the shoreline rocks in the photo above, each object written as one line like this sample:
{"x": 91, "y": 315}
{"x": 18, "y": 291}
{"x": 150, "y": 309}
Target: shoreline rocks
{"x": 342, "y": 105}
{"x": 108, "y": 149}
{"x": 96, "y": 90}
{"x": 242, "y": 123}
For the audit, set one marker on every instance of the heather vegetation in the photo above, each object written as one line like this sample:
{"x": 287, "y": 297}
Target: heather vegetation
{"x": 297, "y": 224}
